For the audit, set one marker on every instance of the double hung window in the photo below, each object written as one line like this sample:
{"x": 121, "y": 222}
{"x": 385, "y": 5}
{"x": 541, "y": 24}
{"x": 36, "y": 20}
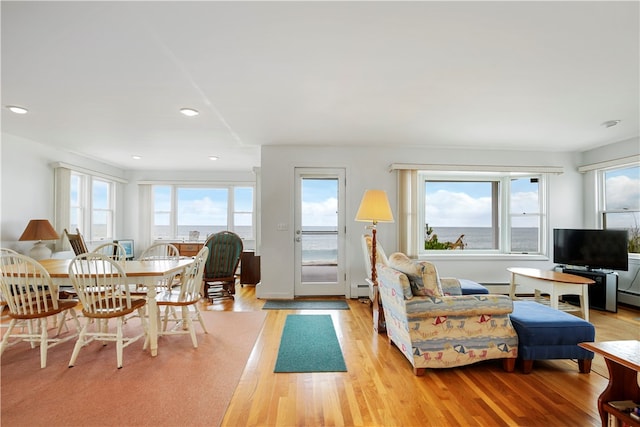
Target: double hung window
{"x": 481, "y": 212}
{"x": 620, "y": 201}
{"x": 92, "y": 206}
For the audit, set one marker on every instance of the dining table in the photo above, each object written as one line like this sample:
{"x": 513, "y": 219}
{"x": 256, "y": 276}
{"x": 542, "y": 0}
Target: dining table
{"x": 150, "y": 274}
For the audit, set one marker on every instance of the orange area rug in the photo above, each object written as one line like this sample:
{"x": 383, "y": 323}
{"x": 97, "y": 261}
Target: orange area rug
{"x": 181, "y": 386}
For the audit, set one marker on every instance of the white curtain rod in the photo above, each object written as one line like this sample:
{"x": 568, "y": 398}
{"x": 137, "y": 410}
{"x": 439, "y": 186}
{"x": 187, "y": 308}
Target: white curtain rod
{"x": 610, "y": 163}
{"x": 88, "y": 171}
{"x": 476, "y": 168}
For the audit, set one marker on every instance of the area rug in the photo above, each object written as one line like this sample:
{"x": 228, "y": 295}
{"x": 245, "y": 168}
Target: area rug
{"x": 309, "y": 344}
{"x": 182, "y": 386}
{"x": 306, "y": 305}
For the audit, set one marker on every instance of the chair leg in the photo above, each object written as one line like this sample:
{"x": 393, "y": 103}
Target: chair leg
{"x": 30, "y": 331}
{"x": 5, "y": 339}
{"x": 200, "y": 319}
{"x": 192, "y": 331}
{"x": 119, "y": 344}
{"x": 79, "y": 344}
{"x": 43, "y": 342}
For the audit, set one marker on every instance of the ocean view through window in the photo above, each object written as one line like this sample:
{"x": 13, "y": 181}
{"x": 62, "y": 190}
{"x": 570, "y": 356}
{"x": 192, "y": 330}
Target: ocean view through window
{"x": 179, "y": 210}
{"x": 489, "y": 213}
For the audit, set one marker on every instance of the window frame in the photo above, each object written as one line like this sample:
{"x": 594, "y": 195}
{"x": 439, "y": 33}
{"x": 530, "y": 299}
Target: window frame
{"x": 86, "y": 209}
{"x": 173, "y": 212}
{"x": 602, "y": 197}
{"x": 503, "y": 212}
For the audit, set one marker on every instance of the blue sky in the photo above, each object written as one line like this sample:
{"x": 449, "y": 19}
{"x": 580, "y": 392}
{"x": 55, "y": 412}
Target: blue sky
{"x": 203, "y": 206}
{"x": 320, "y": 202}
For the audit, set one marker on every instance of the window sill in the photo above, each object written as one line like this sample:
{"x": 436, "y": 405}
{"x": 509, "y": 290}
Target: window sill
{"x": 477, "y": 256}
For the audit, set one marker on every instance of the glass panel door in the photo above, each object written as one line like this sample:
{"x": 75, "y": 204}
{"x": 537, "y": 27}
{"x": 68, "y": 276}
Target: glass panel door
{"x": 319, "y": 232}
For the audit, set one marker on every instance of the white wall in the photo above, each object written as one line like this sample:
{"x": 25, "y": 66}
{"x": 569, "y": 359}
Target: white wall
{"x": 368, "y": 167}
{"x": 27, "y": 192}
{"x": 28, "y": 186}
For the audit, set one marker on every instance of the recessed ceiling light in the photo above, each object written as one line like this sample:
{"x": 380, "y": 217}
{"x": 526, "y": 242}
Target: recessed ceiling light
{"x": 189, "y": 112}
{"x": 213, "y": 157}
{"x": 17, "y": 110}
{"x": 611, "y": 123}
{"x": 136, "y": 157}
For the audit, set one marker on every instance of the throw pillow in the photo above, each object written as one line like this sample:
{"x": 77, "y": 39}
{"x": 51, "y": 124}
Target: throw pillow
{"x": 403, "y": 264}
{"x": 423, "y": 277}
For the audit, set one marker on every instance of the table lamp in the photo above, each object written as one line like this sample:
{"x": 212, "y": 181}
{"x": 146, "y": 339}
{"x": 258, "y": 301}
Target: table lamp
{"x": 374, "y": 208}
{"x": 39, "y": 229}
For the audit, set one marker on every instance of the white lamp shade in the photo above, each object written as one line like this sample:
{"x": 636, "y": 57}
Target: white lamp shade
{"x": 374, "y": 207}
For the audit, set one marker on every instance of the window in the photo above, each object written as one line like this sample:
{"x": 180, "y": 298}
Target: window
{"x": 490, "y": 213}
{"x": 91, "y": 207}
{"x": 180, "y": 211}
{"x": 620, "y": 202}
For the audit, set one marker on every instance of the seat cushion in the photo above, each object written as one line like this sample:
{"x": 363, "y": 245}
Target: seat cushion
{"x": 546, "y": 333}
{"x": 469, "y": 287}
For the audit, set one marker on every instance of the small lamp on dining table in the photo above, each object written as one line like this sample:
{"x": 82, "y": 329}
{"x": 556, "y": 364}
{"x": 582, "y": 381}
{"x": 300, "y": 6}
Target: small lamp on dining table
{"x": 39, "y": 229}
{"x": 374, "y": 208}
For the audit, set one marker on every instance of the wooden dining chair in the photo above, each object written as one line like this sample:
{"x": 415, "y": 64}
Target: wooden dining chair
{"x": 101, "y": 285}
{"x": 32, "y": 299}
{"x": 159, "y": 251}
{"x": 77, "y": 242}
{"x": 113, "y": 250}
{"x": 186, "y": 298}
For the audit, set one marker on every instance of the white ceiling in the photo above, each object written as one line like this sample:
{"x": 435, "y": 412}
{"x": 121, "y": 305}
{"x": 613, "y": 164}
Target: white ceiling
{"x": 106, "y": 79}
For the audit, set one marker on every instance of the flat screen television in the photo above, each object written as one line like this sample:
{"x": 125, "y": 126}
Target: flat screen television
{"x": 593, "y": 249}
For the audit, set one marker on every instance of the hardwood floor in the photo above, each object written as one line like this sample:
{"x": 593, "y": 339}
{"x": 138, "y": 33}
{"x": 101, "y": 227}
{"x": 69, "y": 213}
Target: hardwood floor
{"x": 380, "y": 389}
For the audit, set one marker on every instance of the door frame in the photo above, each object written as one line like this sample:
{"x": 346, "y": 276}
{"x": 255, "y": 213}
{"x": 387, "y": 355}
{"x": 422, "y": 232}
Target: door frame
{"x": 340, "y": 287}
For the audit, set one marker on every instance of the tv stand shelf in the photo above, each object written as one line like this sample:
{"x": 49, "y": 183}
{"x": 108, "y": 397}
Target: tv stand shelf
{"x": 603, "y": 294}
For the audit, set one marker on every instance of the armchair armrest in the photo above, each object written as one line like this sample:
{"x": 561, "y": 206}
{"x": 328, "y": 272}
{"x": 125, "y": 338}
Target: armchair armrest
{"x": 461, "y": 305}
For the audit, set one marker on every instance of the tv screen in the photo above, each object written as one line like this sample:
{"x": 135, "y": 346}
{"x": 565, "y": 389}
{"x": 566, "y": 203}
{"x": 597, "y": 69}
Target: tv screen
{"x": 594, "y": 249}
{"x": 127, "y": 244}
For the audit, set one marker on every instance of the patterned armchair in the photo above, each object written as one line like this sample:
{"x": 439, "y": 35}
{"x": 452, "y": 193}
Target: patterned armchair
{"x": 434, "y": 326}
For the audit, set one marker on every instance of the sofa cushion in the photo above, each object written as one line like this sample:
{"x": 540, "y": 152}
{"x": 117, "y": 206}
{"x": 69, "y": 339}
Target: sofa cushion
{"x": 423, "y": 276}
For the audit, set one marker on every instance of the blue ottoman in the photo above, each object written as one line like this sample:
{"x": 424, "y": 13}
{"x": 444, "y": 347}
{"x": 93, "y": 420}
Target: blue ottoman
{"x": 546, "y": 333}
{"x": 469, "y": 287}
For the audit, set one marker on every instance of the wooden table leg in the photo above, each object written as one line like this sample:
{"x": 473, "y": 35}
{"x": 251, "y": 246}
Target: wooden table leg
{"x": 623, "y": 385}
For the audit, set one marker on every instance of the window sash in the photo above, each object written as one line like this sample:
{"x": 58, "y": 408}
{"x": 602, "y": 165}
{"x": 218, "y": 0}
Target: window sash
{"x": 411, "y": 210}
{"x": 621, "y": 215}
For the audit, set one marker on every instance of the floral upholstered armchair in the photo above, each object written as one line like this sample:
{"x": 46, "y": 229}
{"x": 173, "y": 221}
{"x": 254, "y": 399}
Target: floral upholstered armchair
{"x": 434, "y": 326}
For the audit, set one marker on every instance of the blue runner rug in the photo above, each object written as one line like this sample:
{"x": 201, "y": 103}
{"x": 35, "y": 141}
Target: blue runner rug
{"x": 309, "y": 344}
{"x": 286, "y": 304}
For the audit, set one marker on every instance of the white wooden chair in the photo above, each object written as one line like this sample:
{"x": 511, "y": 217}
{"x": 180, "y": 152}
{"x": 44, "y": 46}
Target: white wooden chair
{"x": 187, "y": 298}
{"x": 159, "y": 251}
{"x": 32, "y": 298}
{"x": 112, "y": 250}
{"x": 101, "y": 286}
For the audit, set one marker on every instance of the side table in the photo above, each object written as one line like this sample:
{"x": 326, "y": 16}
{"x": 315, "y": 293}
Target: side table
{"x": 623, "y": 362}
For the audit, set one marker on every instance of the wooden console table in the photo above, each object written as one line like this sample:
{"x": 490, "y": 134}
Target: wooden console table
{"x": 554, "y": 283}
{"x": 623, "y": 362}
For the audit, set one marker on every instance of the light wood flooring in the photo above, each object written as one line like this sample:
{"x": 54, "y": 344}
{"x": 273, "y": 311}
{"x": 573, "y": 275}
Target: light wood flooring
{"x": 380, "y": 389}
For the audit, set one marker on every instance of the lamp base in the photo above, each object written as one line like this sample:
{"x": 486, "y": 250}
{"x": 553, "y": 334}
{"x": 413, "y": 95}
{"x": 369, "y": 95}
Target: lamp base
{"x": 40, "y": 251}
